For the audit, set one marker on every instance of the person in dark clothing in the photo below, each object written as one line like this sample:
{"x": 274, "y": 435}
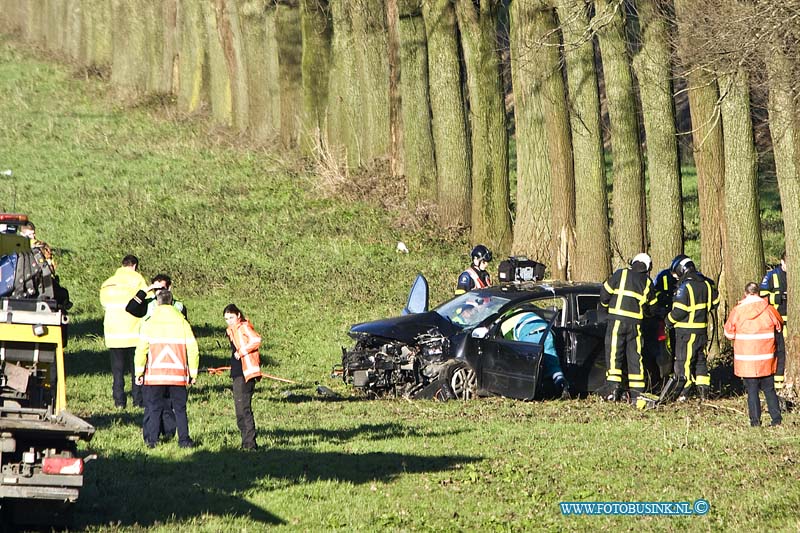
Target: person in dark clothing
{"x": 628, "y": 295}
{"x": 245, "y": 371}
{"x": 476, "y": 276}
{"x": 695, "y": 298}
{"x": 773, "y": 287}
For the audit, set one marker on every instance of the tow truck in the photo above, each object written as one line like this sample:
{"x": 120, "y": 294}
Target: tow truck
{"x": 41, "y": 471}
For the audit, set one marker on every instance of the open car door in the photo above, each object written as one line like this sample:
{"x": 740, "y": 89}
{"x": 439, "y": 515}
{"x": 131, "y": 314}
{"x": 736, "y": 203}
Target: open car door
{"x": 418, "y": 297}
{"x": 509, "y": 367}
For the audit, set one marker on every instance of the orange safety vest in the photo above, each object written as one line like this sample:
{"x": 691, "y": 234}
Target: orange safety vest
{"x": 751, "y": 326}
{"x": 247, "y": 342}
{"x": 476, "y": 279}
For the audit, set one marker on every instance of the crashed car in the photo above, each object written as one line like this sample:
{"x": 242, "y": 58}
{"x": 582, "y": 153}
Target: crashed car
{"x": 450, "y": 352}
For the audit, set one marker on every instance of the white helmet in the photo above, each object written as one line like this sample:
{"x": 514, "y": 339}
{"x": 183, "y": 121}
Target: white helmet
{"x": 644, "y": 259}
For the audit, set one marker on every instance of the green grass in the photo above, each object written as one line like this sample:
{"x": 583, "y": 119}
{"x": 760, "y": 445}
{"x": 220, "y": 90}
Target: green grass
{"x": 232, "y": 225}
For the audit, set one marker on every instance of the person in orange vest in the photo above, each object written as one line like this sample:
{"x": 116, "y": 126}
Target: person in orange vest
{"x": 476, "y": 276}
{"x": 245, "y": 371}
{"x": 166, "y": 360}
{"x": 752, "y": 326}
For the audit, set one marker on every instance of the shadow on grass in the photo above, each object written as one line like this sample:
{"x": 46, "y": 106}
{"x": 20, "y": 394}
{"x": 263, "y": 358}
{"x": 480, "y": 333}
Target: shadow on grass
{"x": 156, "y": 490}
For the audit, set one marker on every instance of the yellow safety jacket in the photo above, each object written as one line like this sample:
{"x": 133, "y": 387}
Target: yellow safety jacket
{"x": 121, "y": 328}
{"x": 628, "y": 294}
{"x": 167, "y": 352}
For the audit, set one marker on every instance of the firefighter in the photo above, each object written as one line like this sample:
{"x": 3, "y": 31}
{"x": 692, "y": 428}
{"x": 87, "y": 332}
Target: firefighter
{"x": 629, "y": 296}
{"x": 695, "y": 298}
{"x": 476, "y": 276}
{"x": 121, "y": 328}
{"x": 773, "y": 287}
{"x": 754, "y": 326}
{"x": 167, "y": 357}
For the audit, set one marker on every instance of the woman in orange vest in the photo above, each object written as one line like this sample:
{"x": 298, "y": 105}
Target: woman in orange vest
{"x": 245, "y": 371}
{"x": 751, "y": 326}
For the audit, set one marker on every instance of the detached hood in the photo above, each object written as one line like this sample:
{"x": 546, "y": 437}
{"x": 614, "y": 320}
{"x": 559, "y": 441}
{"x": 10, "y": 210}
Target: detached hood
{"x": 405, "y": 328}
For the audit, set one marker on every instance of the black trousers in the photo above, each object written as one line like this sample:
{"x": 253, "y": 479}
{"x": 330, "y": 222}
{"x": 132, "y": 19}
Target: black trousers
{"x": 690, "y": 356}
{"x": 624, "y": 343}
{"x": 766, "y": 384}
{"x": 156, "y": 402}
{"x": 242, "y": 402}
{"x": 780, "y": 355}
{"x": 122, "y": 362}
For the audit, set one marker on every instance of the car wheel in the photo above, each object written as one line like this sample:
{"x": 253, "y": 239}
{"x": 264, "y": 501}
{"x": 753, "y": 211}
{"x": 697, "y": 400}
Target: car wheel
{"x": 461, "y": 378}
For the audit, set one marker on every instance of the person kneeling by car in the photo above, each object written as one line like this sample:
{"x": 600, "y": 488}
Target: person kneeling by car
{"x": 529, "y": 328}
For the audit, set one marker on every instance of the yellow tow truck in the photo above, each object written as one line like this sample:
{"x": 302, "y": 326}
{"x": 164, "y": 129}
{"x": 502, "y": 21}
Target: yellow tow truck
{"x": 41, "y": 473}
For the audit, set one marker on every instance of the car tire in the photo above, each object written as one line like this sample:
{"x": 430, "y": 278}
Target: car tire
{"x": 461, "y": 378}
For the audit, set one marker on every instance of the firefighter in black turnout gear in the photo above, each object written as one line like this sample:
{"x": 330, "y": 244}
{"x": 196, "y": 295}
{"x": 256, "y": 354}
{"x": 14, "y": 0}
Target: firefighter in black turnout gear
{"x": 773, "y": 288}
{"x": 628, "y": 294}
{"x": 695, "y": 297}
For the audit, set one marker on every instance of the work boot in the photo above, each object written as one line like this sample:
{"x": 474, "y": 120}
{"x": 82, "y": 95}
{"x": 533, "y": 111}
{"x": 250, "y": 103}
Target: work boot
{"x": 614, "y": 395}
{"x": 686, "y": 393}
{"x": 702, "y": 391}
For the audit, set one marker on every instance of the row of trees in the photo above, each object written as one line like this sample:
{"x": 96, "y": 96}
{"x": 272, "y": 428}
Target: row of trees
{"x": 436, "y": 86}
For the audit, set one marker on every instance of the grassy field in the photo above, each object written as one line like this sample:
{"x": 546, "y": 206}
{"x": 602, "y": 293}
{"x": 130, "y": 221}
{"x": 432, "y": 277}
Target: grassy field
{"x": 248, "y": 227}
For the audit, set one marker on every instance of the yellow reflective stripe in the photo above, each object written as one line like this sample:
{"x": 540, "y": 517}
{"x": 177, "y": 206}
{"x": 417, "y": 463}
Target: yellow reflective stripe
{"x": 637, "y": 384}
{"x": 639, "y": 351}
{"x": 616, "y": 379}
{"x": 622, "y": 312}
{"x": 612, "y": 364}
{"x": 703, "y": 380}
{"x": 690, "y": 325}
{"x": 608, "y": 287}
{"x": 637, "y": 377}
{"x": 620, "y": 292}
{"x": 779, "y": 378}
{"x": 688, "y": 363}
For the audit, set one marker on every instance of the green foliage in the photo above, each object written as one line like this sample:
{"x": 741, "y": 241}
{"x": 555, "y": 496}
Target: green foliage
{"x": 235, "y": 226}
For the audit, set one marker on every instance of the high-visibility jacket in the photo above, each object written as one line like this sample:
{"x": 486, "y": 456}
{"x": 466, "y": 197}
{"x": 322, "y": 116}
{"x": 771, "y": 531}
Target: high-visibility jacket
{"x": 751, "y": 326}
{"x": 628, "y": 294}
{"x": 246, "y": 342}
{"x": 694, "y": 299}
{"x": 120, "y": 327}
{"x": 773, "y": 287}
{"x": 167, "y": 353}
{"x": 472, "y": 279}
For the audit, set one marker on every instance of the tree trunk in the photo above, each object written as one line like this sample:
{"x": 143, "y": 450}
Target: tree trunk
{"x": 96, "y": 38}
{"x": 418, "y": 155}
{"x": 559, "y": 147}
{"x": 449, "y": 127}
{"x": 290, "y": 58}
{"x": 256, "y": 57}
{"x": 392, "y": 16}
{"x": 743, "y": 224}
{"x": 654, "y": 72}
{"x": 532, "y": 230}
{"x": 491, "y": 221}
{"x": 344, "y": 107}
{"x": 230, "y": 38}
{"x": 219, "y": 83}
{"x": 129, "y": 75}
{"x": 192, "y": 57}
{"x": 591, "y": 227}
{"x": 316, "y": 32}
{"x": 783, "y": 121}
{"x": 629, "y": 206}
{"x": 72, "y": 31}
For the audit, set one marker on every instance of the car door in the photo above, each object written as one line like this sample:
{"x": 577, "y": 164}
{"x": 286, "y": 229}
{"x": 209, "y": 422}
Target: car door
{"x": 585, "y": 367}
{"x": 508, "y": 367}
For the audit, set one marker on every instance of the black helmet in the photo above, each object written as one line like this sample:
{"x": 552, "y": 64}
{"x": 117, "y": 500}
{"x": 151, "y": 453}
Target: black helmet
{"x": 680, "y": 265}
{"x": 481, "y": 253}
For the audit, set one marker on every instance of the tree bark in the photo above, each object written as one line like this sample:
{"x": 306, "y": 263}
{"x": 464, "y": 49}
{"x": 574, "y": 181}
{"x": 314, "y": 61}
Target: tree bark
{"x": 491, "y": 221}
{"x": 219, "y": 83}
{"x": 653, "y": 69}
{"x": 395, "y": 124}
{"x": 629, "y": 206}
{"x": 192, "y": 58}
{"x": 230, "y": 38}
{"x": 532, "y": 227}
{"x": 290, "y": 58}
{"x": 257, "y": 56}
{"x": 743, "y": 225}
{"x": 783, "y": 120}
{"x": 129, "y": 76}
{"x": 72, "y": 30}
{"x": 316, "y": 63}
{"x": 591, "y": 227}
{"x": 418, "y": 154}
{"x": 449, "y": 127}
{"x": 96, "y": 41}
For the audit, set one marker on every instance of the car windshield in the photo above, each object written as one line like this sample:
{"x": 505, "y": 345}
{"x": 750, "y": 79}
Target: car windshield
{"x": 470, "y": 309}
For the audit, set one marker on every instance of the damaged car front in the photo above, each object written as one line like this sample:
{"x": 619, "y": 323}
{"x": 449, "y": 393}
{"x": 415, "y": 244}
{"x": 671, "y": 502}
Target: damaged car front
{"x": 414, "y": 354}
